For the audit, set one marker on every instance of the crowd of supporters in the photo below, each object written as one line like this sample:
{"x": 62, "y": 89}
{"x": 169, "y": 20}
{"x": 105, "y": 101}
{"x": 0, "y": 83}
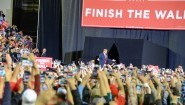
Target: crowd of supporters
{"x": 89, "y": 84}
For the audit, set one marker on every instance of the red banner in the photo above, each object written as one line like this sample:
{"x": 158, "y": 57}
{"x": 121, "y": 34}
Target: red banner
{"x": 44, "y": 62}
{"x": 144, "y": 14}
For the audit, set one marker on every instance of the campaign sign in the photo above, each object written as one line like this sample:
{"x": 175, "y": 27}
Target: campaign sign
{"x": 142, "y": 14}
{"x": 44, "y": 62}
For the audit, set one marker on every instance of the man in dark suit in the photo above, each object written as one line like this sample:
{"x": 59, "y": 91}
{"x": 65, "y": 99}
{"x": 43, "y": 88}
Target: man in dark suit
{"x": 44, "y": 53}
{"x": 103, "y": 58}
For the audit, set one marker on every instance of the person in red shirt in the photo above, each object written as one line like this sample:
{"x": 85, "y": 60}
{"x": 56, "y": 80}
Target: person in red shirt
{"x": 117, "y": 90}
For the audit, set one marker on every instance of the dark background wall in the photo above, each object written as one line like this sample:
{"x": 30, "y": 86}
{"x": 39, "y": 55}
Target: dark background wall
{"x": 25, "y": 16}
{"x": 69, "y": 36}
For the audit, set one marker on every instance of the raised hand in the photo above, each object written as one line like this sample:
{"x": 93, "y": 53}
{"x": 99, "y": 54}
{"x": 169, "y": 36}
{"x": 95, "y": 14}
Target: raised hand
{"x": 128, "y": 81}
{"x": 8, "y": 61}
{"x": 8, "y": 74}
{"x": 32, "y": 57}
{"x": 77, "y": 76}
{"x": 135, "y": 71}
{"x": 116, "y": 74}
{"x": 21, "y": 88}
{"x": 49, "y": 82}
{"x": 71, "y": 83}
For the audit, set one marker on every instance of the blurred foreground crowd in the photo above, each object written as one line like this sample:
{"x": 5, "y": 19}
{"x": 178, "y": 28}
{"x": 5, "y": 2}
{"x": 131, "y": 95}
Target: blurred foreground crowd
{"x": 89, "y": 84}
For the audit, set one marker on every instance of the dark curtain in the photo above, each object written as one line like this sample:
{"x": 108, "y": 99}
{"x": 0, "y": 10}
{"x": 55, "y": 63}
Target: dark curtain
{"x": 177, "y": 48}
{"x": 73, "y": 35}
{"x": 50, "y": 28}
{"x": 17, "y": 12}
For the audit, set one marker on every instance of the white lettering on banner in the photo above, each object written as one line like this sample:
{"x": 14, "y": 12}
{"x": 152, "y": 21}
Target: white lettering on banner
{"x": 130, "y": 13}
{"x": 42, "y": 60}
{"x": 87, "y": 11}
{"x": 99, "y": 12}
{"x": 160, "y": 14}
{"x": 138, "y": 13}
{"x": 178, "y": 15}
{"x": 170, "y": 14}
{"x": 42, "y": 66}
{"x": 110, "y": 13}
{"x": 145, "y": 14}
{"x": 119, "y": 13}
